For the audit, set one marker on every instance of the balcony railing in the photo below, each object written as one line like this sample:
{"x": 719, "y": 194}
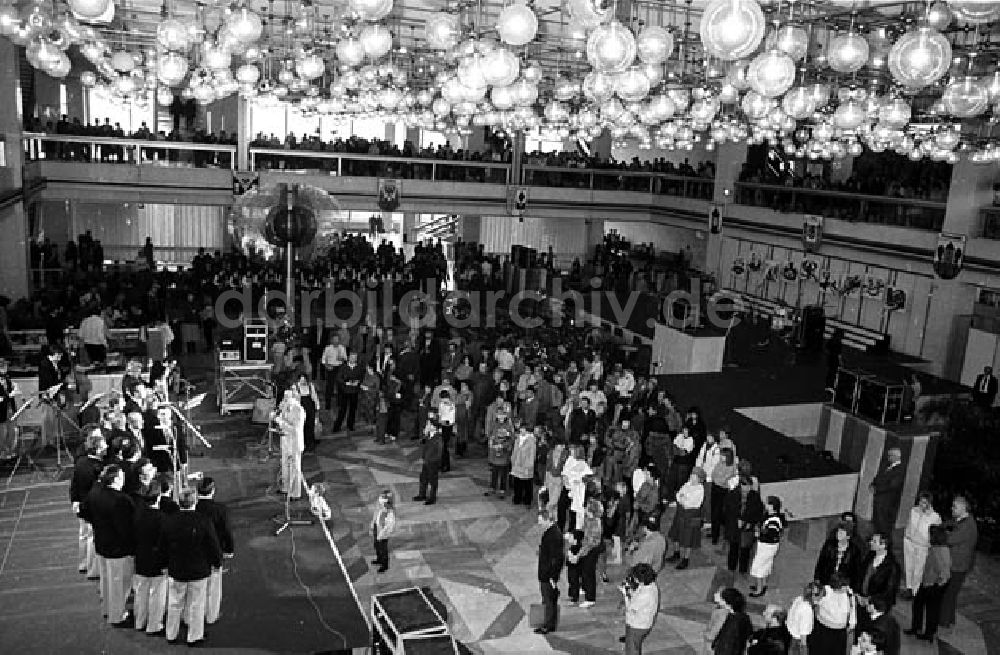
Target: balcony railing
{"x": 854, "y": 207}
{"x": 106, "y": 150}
{"x": 619, "y": 180}
{"x": 352, "y": 165}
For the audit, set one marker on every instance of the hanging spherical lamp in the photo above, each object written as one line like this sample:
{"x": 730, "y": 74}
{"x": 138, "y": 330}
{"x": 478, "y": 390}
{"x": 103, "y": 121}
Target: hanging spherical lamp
{"x": 737, "y": 75}
{"x": 731, "y": 29}
{"x": 598, "y": 86}
{"x": 524, "y": 92}
{"x": 517, "y": 24}
{"x": 847, "y": 53}
{"x": 350, "y": 51}
{"x": 371, "y": 10}
{"x": 654, "y": 44}
{"x": 441, "y": 31}
{"x": 588, "y": 14}
{"x": 376, "y": 40}
{"x": 755, "y": 105}
{"x": 895, "y": 113}
{"x": 173, "y": 35}
{"x": 10, "y": 20}
{"x": 470, "y": 72}
{"x": 122, "y": 61}
{"x": 611, "y": 48}
{"x": 920, "y": 57}
{"x": 939, "y": 15}
{"x": 556, "y": 112}
{"x": 793, "y": 41}
{"x": 247, "y": 74}
{"x": 849, "y": 115}
{"x": 90, "y": 9}
{"x": 653, "y": 72}
{"x": 771, "y": 73}
{"x": 965, "y": 97}
{"x": 310, "y": 66}
{"x": 799, "y": 103}
{"x": 171, "y": 68}
{"x": 632, "y": 85}
{"x": 662, "y": 107}
{"x": 976, "y": 12}
{"x": 500, "y": 67}
{"x": 215, "y": 57}
{"x": 245, "y": 25}
{"x": 502, "y": 97}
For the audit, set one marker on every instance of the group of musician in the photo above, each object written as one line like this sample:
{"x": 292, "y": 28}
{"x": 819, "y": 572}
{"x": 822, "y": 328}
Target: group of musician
{"x": 148, "y": 531}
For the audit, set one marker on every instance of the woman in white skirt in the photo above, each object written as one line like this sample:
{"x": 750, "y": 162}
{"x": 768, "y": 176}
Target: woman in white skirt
{"x": 768, "y": 538}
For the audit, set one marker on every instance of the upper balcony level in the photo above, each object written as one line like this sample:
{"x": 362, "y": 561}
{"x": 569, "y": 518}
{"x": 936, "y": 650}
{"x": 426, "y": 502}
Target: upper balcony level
{"x": 167, "y": 171}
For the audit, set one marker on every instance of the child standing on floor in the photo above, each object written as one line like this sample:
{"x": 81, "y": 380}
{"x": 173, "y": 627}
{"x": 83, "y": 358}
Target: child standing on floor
{"x": 383, "y": 525}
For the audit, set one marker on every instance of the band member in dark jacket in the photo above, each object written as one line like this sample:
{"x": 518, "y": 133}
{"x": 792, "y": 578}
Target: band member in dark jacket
{"x": 878, "y": 576}
{"x": 150, "y": 580}
{"x": 550, "y": 562}
{"x": 431, "y": 468}
{"x": 887, "y": 488}
{"x": 192, "y": 551}
{"x": 218, "y": 515}
{"x": 86, "y": 471}
{"x": 112, "y": 514}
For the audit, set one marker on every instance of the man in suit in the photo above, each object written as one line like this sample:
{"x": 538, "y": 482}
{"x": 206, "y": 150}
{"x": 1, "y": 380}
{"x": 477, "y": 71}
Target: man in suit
{"x": 880, "y": 573}
{"x": 431, "y": 468}
{"x": 86, "y": 470}
{"x": 984, "y": 392}
{"x": 316, "y": 340}
{"x": 348, "y": 382}
{"x": 550, "y": 563}
{"x": 887, "y": 487}
{"x": 962, "y": 537}
{"x": 218, "y": 516}
{"x": 112, "y": 515}
{"x": 192, "y": 551}
{"x": 150, "y": 579}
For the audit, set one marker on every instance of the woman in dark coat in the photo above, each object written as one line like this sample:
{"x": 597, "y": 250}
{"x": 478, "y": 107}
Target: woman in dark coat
{"x": 732, "y": 638}
{"x": 839, "y": 554}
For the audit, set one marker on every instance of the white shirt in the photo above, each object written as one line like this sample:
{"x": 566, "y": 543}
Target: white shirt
{"x": 505, "y": 360}
{"x": 690, "y": 496}
{"x": 446, "y": 411}
{"x": 836, "y": 609}
{"x": 625, "y": 385}
{"x": 334, "y": 355}
{"x": 800, "y": 618}
{"x": 684, "y": 442}
{"x": 918, "y": 528}
{"x": 595, "y": 397}
{"x": 94, "y": 331}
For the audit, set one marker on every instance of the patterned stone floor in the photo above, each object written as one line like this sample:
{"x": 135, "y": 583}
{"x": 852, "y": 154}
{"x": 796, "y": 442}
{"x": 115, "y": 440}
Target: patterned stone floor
{"x": 479, "y": 554}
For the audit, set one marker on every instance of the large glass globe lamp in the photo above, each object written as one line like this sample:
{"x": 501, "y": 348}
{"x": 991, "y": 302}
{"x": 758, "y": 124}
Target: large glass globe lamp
{"x": 441, "y": 31}
{"x": 976, "y": 12}
{"x": 500, "y": 67}
{"x": 847, "y": 53}
{"x": 632, "y": 85}
{"x": 171, "y": 68}
{"x": 799, "y": 103}
{"x": 771, "y": 73}
{"x": 793, "y": 41}
{"x": 920, "y": 57}
{"x": 371, "y": 10}
{"x": 90, "y": 9}
{"x": 654, "y": 44}
{"x": 965, "y": 97}
{"x": 350, "y": 51}
{"x": 731, "y": 29}
{"x": 611, "y": 48}
{"x": 517, "y": 24}
{"x": 376, "y": 40}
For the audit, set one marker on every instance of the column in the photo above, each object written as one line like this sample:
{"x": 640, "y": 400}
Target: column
{"x": 13, "y": 222}
{"x": 516, "y": 157}
{"x": 476, "y": 142}
{"x": 729, "y": 159}
{"x": 413, "y": 136}
{"x": 243, "y": 135}
{"x": 970, "y": 190}
{"x": 409, "y": 227}
{"x": 471, "y": 227}
{"x": 601, "y": 146}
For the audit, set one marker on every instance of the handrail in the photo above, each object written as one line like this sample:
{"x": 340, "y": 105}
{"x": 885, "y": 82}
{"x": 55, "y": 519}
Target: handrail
{"x": 854, "y": 195}
{"x": 105, "y": 149}
{"x": 340, "y": 157}
{"x": 143, "y": 143}
{"x": 915, "y": 213}
{"x": 686, "y": 186}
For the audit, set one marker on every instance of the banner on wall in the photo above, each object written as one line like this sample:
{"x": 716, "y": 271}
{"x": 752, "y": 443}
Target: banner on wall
{"x": 389, "y": 190}
{"x": 245, "y": 181}
{"x": 812, "y": 233}
{"x": 517, "y": 200}
{"x": 949, "y": 255}
{"x": 715, "y": 214}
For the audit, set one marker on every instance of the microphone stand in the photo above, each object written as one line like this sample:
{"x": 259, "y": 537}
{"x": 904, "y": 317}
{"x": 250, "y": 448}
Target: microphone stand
{"x": 285, "y": 520}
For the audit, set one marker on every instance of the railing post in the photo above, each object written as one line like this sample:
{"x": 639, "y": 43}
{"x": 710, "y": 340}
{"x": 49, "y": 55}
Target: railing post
{"x": 592, "y": 176}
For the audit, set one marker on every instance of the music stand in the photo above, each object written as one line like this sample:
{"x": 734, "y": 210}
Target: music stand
{"x": 286, "y": 519}
{"x": 21, "y": 452}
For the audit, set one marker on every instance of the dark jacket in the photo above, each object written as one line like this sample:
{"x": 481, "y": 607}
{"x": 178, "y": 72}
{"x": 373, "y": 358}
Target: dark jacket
{"x": 191, "y": 546}
{"x": 550, "y": 554}
{"x": 884, "y": 580}
{"x": 888, "y": 485}
{"x": 349, "y": 379}
{"x": 112, "y": 514}
{"x": 850, "y": 563}
{"x": 150, "y": 561}
{"x": 432, "y": 452}
{"x": 732, "y": 638}
{"x": 86, "y": 469}
{"x": 219, "y": 517}
{"x": 889, "y": 627}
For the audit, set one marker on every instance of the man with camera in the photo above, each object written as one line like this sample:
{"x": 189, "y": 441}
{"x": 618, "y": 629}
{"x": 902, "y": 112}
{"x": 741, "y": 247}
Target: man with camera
{"x": 642, "y": 602}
